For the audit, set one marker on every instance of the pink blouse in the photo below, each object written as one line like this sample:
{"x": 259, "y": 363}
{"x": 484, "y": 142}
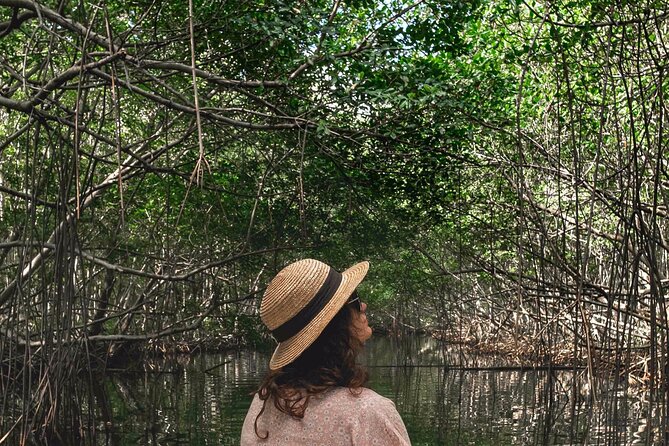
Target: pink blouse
{"x": 336, "y": 417}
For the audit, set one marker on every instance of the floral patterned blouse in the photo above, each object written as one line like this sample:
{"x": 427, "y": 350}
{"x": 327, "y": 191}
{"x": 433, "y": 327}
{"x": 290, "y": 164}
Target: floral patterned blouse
{"x": 336, "y": 417}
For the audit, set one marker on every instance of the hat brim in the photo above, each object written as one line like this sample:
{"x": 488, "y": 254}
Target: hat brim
{"x": 293, "y": 347}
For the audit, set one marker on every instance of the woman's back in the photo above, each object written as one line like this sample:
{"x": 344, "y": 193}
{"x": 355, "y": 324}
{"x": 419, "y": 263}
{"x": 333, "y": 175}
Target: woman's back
{"x": 314, "y": 391}
{"x": 335, "y": 417}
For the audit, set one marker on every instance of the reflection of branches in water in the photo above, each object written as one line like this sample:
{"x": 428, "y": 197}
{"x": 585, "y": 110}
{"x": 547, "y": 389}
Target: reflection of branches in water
{"x": 455, "y": 405}
{"x": 440, "y": 406}
{"x": 531, "y": 408}
{"x": 179, "y": 398}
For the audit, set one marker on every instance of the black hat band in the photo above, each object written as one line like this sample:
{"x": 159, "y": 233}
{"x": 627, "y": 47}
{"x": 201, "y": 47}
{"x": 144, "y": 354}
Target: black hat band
{"x": 293, "y": 325}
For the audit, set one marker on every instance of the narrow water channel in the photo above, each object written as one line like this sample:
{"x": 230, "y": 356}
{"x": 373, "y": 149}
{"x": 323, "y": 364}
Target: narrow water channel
{"x": 203, "y": 400}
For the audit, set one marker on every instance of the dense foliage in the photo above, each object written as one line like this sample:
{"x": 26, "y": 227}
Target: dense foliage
{"x": 501, "y": 164}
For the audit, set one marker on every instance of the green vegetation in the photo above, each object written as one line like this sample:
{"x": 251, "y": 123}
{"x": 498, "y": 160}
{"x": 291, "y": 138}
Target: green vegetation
{"x": 501, "y": 164}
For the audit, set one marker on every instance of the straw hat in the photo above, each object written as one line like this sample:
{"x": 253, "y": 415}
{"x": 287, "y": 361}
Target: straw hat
{"x": 301, "y": 300}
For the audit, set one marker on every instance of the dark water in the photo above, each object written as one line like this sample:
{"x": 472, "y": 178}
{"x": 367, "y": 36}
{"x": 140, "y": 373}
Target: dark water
{"x": 203, "y": 401}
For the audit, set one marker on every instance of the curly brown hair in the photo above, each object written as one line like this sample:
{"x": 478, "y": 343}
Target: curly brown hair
{"x": 329, "y": 362}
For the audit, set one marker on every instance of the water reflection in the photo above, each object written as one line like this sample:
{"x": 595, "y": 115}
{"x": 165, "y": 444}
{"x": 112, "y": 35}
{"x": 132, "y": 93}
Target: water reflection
{"x": 203, "y": 400}
{"x": 469, "y": 399}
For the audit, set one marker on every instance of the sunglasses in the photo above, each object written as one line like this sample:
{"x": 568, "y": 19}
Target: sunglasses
{"x": 355, "y": 301}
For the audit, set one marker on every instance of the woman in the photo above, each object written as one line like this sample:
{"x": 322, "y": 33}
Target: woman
{"x": 313, "y": 393}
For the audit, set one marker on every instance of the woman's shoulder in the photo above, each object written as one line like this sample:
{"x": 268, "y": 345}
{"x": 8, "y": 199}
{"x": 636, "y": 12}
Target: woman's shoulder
{"x": 361, "y": 396}
{"x": 373, "y": 417}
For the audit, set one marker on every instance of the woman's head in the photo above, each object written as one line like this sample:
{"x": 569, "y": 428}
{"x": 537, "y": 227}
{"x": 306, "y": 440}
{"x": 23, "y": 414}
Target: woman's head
{"x": 317, "y": 317}
{"x": 331, "y": 359}
{"x": 360, "y": 328}
{"x": 302, "y": 300}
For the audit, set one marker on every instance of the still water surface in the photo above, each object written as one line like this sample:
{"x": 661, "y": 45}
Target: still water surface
{"x": 203, "y": 400}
